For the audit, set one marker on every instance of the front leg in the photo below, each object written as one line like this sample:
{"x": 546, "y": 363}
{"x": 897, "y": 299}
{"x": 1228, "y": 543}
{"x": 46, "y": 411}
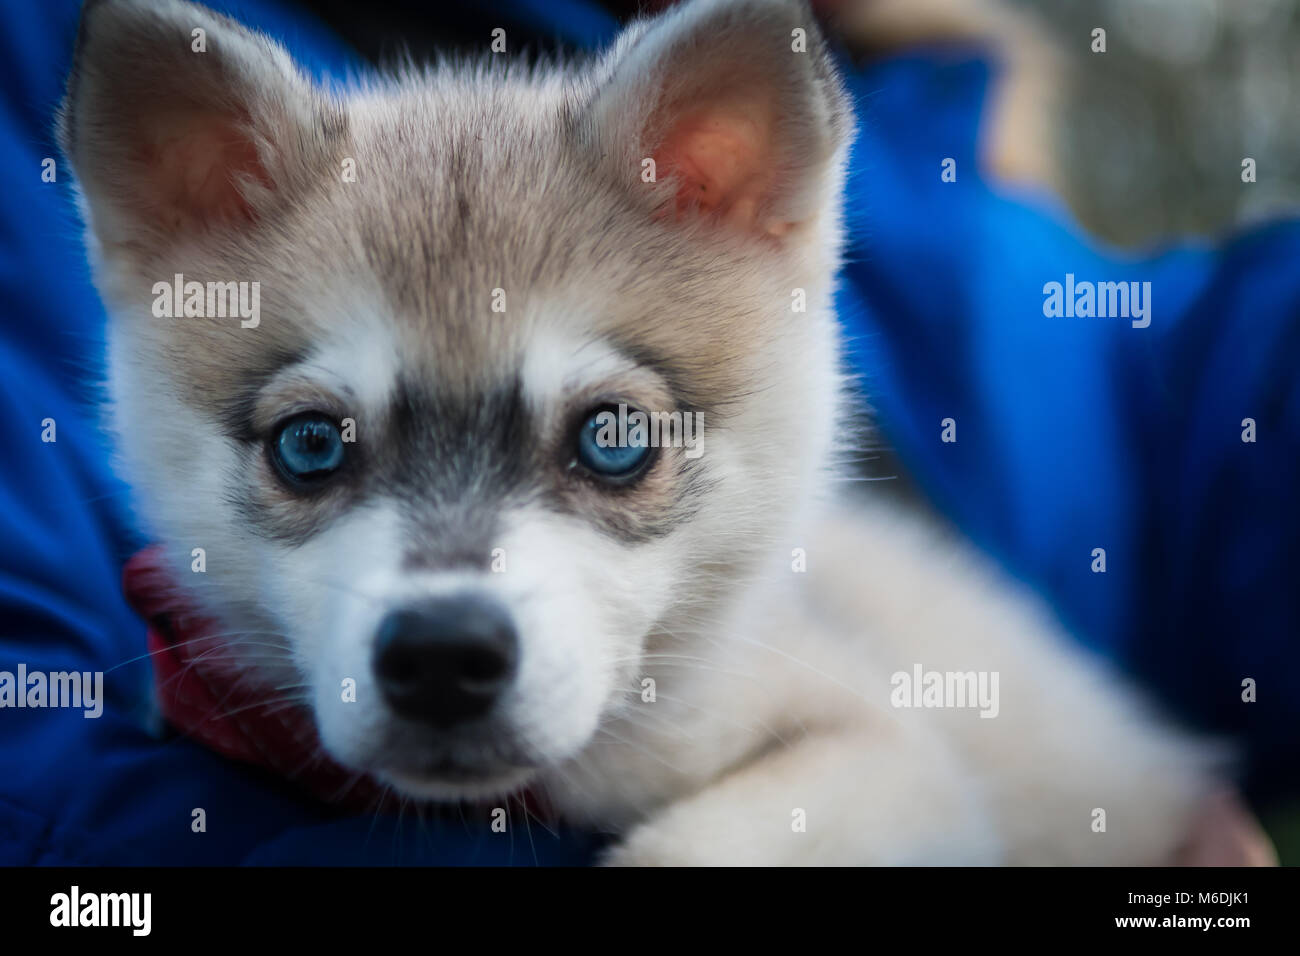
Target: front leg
{"x": 890, "y": 796}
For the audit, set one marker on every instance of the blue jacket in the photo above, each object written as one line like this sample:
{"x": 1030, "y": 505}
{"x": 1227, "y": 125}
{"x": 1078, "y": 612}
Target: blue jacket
{"x": 1072, "y": 434}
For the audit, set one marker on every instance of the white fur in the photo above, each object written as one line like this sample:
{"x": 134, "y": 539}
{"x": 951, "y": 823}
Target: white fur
{"x": 806, "y": 660}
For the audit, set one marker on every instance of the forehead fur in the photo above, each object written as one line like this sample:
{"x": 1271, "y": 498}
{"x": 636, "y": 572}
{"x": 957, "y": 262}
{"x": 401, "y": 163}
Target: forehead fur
{"x": 470, "y": 181}
{"x": 482, "y": 181}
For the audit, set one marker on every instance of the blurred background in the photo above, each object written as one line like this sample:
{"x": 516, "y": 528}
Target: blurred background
{"x": 1155, "y": 130}
{"x": 1151, "y": 135}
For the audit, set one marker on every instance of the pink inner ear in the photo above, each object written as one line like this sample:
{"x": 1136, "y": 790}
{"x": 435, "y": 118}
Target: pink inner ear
{"x": 723, "y": 159}
{"x": 193, "y": 162}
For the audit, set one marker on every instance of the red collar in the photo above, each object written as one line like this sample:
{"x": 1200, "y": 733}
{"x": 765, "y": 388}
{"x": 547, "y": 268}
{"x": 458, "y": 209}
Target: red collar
{"x": 201, "y": 695}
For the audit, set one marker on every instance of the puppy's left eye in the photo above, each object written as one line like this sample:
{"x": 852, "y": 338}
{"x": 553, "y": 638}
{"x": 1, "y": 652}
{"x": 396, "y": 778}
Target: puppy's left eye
{"x": 308, "y": 449}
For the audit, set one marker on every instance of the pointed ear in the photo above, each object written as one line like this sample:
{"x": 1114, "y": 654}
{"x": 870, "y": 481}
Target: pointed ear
{"x": 739, "y": 107}
{"x": 179, "y": 121}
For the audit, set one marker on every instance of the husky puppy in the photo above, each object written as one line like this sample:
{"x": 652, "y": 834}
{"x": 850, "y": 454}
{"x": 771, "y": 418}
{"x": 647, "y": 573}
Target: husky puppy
{"x": 395, "y": 453}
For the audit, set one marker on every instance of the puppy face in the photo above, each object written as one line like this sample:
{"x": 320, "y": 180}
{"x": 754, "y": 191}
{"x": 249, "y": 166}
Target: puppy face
{"x": 395, "y": 468}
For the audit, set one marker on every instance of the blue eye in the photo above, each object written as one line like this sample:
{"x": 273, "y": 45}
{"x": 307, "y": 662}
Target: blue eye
{"x": 608, "y": 447}
{"x": 308, "y": 448}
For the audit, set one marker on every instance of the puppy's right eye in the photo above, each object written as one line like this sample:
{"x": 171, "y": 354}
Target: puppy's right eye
{"x": 308, "y": 449}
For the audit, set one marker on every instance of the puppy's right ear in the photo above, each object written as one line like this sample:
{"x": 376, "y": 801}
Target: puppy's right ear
{"x": 179, "y": 122}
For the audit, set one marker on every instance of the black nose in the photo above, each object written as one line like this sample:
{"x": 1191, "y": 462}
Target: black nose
{"x": 445, "y": 661}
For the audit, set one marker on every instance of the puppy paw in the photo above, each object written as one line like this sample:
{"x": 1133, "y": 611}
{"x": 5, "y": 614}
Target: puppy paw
{"x": 657, "y": 845}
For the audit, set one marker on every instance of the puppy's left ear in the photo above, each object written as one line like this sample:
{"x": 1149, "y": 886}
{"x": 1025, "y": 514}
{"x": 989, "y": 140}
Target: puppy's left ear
{"x": 737, "y": 104}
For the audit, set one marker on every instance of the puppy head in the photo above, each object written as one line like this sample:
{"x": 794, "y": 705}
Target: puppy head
{"x": 396, "y": 467}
